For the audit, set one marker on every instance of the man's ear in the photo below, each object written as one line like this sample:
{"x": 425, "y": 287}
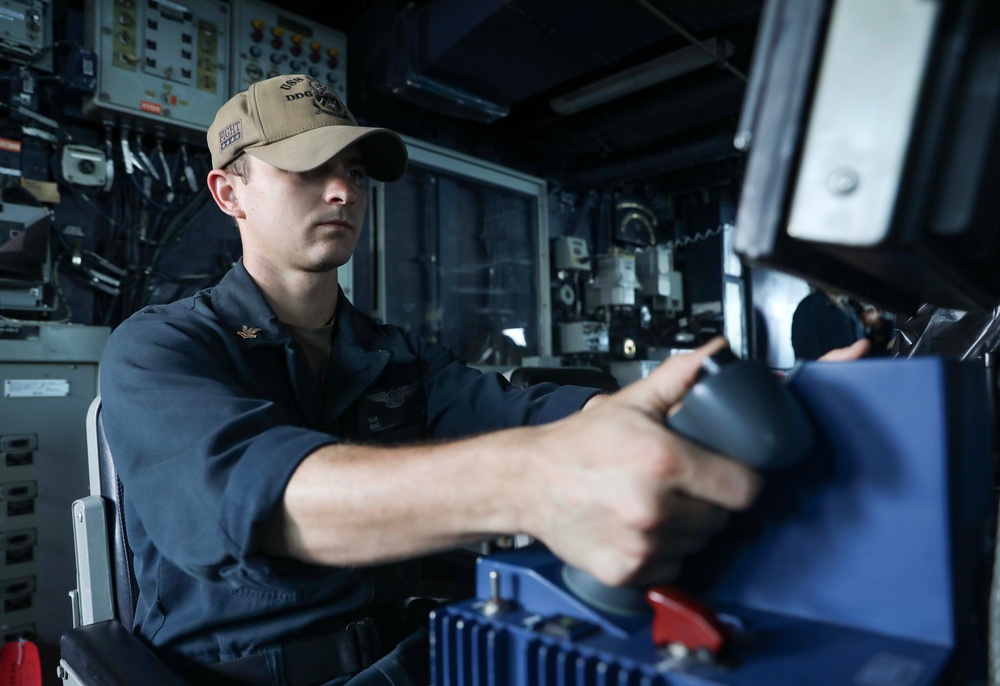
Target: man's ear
{"x": 223, "y": 187}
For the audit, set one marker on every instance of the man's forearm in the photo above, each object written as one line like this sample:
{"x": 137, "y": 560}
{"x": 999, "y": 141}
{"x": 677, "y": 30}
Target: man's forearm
{"x": 350, "y": 505}
{"x": 609, "y": 490}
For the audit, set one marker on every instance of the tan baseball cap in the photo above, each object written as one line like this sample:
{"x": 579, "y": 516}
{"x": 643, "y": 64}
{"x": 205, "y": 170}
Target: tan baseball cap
{"x": 296, "y": 123}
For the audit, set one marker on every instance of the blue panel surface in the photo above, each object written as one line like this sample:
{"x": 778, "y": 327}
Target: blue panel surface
{"x": 859, "y": 533}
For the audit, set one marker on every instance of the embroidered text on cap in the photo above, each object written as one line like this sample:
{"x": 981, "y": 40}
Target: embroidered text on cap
{"x": 230, "y": 134}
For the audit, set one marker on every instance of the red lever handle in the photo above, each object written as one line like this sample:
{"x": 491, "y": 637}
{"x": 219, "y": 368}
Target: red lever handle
{"x": 679, "y": 618}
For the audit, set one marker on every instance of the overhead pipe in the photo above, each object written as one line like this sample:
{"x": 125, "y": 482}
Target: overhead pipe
{"x": 627, "y": 168}
{"x": 719, "y": 59}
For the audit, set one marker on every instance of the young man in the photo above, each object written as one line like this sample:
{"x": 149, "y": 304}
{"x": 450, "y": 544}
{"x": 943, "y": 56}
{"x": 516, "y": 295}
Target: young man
{"x": 273, "y": 441}
{"x": 824, "y": 321}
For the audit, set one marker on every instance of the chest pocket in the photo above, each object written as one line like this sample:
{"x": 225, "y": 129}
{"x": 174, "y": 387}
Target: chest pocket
{"x": 394, "y": 409}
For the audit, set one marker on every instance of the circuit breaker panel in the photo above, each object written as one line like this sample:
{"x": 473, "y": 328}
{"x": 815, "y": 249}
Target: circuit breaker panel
{"x": 48, "y": 373}
{"x": 268, "y": 41}
{"x": 160, "y": 60}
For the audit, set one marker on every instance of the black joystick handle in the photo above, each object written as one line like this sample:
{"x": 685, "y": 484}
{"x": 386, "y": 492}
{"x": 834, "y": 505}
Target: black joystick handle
{"x": 737, "y": 408}
{"x": 740, "y": 409}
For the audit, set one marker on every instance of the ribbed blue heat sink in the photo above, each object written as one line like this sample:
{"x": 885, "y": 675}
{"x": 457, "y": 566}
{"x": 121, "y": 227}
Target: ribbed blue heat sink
{"x": 468, "y": 649}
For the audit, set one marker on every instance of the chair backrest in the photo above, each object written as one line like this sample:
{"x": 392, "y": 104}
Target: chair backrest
{"x": 125, "y": 590}
{"x": 591, "y": 377}
{"x": 101, "y": 648}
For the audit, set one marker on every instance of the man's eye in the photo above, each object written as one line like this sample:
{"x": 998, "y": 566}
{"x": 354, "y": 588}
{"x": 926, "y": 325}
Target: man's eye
{"x": 357, "y": 174}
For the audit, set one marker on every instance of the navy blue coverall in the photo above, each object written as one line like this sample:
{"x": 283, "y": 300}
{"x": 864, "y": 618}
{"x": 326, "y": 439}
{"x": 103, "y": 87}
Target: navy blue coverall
{"x": 209, "y": 407}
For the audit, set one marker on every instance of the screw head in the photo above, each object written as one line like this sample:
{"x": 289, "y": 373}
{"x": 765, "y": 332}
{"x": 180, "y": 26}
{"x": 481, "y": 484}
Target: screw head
{"x": 678, "y": 650}
{"x": 842, "y": 181}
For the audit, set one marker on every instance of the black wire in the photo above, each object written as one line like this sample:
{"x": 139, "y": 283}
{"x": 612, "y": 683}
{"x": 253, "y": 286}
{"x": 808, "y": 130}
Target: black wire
{"x": 178, "y": 226}
{"x": 146, "y": 197}
{"x": 143, "y": 219}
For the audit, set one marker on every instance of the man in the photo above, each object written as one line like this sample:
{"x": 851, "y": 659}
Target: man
{"x": 272, "y": 441}
{"x": 824, "y": 321}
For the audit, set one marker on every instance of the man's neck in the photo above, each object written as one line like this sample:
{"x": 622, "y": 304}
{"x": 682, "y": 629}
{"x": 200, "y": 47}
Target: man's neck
{"x": 304, "y": 299}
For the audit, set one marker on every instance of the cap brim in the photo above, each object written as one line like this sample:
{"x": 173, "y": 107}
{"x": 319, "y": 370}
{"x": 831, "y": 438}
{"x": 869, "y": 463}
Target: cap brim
{"x": 384, "y": 151}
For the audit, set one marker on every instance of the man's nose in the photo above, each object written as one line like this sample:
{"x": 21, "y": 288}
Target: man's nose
{"x": 340, "y": 190}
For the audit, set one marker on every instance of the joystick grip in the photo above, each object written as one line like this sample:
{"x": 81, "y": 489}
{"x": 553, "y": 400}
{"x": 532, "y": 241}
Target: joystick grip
{"x": 737, "y": 408}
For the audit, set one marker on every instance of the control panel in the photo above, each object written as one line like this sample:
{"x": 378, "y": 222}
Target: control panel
{"x": 26, "y": 32}
{"x": 160, "y": 60}
{"x": 785, "y": 594}
{"x": 268, "y": 41}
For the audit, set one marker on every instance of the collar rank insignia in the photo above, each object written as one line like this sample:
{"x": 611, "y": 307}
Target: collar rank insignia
{"x": 248, "y": 332}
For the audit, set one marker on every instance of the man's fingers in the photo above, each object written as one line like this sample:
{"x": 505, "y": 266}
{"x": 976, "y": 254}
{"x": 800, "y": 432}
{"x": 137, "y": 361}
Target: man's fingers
{"x": 717, "y": 479}
{"x": 854, "y": 351}
{"x": 668, "y": 383}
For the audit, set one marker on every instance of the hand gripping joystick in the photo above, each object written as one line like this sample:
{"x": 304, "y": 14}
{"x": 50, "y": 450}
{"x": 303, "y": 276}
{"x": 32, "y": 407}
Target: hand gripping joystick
{"x": 737, "y": 408}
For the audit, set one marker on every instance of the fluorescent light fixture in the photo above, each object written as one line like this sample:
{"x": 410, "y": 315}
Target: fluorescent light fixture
{"x": 463, "y": 103}
{"x": 655, "y": 71}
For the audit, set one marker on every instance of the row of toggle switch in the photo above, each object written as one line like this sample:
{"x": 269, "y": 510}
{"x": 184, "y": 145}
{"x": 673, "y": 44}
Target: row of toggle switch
{"x": 296, "y": 49}
{"x": 275, "y": 49}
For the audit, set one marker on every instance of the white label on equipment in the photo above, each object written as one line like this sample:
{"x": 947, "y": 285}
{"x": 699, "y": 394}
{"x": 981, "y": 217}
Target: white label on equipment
{"x": 35, "y": 388}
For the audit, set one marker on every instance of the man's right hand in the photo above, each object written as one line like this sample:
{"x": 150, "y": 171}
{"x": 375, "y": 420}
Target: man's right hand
{"x": 854, "y": 351}
{"x": 613, "y": 492}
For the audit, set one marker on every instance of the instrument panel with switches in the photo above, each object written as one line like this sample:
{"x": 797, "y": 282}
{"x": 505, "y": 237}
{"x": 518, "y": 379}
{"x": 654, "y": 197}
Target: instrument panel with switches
{"x": 160, "y": 60}
{"x": 268, "y": 41}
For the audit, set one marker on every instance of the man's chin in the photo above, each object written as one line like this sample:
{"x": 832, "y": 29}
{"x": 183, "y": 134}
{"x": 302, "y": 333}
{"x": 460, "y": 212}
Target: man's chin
{"x": 324, "y": 267}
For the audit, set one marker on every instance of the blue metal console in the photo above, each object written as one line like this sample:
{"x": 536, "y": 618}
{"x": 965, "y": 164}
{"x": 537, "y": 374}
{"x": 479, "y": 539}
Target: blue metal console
{"x": 865, "y": 564}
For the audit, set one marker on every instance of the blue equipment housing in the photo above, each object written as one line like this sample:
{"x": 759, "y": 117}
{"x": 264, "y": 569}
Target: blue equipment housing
{"x": 867, "y": 563}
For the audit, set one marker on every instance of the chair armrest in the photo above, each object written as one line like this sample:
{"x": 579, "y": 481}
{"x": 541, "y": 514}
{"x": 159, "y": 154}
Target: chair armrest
{"x": 108, "y": 654}
{"x": 94, "y": 599}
